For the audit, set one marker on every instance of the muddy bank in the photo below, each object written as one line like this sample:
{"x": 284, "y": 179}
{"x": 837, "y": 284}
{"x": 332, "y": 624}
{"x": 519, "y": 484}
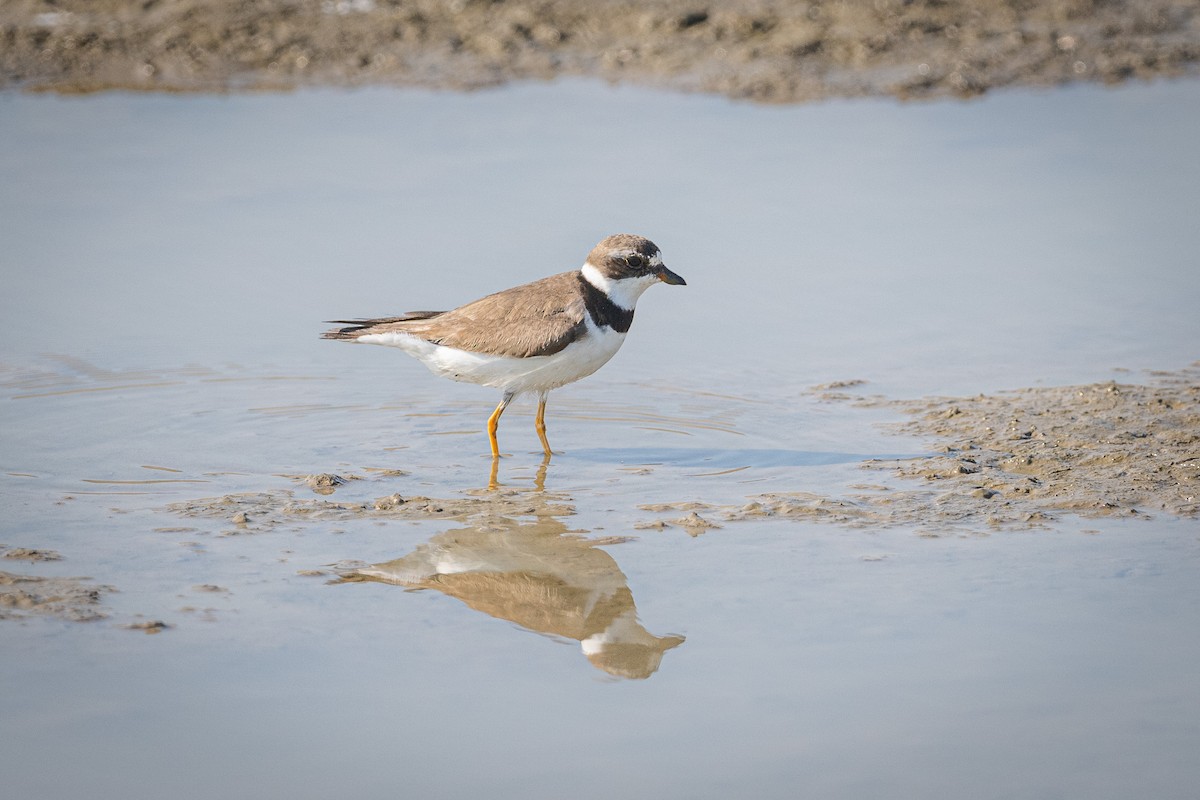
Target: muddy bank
{"x": 766, "y": 50}
{"x": 1016, "y": 459}
{"x": 1109, "y": 448}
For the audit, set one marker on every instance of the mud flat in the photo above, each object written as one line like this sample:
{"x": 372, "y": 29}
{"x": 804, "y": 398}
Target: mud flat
{"x": 255, "y": 512}
{"x": 756, "y": 49}
{"x": 1017, "y": 459}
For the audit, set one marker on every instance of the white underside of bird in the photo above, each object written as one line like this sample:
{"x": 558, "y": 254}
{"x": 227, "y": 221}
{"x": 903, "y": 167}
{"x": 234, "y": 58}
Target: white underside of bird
{"x": 516, "y": 375}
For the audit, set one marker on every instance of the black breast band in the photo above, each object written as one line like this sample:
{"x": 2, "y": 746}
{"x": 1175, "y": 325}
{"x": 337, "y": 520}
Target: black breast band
{"x": 603, "y": 311}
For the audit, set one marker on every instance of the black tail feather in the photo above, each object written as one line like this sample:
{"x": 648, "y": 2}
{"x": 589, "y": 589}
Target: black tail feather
{"x": 355, "y": 327}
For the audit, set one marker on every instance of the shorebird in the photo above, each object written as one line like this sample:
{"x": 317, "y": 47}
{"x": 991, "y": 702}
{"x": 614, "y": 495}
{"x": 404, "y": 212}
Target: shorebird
{"x": 531, "y": 338}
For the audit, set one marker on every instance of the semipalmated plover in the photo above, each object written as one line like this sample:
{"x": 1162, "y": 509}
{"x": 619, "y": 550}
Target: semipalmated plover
{"x": 531, "y": 338}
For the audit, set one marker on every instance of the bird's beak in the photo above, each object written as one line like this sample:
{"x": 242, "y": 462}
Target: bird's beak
{"x": 666, "y": 276}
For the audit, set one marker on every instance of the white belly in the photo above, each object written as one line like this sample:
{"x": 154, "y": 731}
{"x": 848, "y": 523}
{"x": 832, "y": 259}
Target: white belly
{"x": 516, "y": 375}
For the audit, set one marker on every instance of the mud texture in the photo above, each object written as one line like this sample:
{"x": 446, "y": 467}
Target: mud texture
{"x": 31, "y": 554}
{"x": 74, "y": 599}
{"x": 765, "y": 50}
{"x": 1018, "y": 459}
{"x": 256, "y": 512}
{"x": 151, "y": 626}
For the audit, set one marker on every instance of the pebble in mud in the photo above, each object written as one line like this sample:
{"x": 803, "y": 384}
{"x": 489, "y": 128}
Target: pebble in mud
{"x": 389, "y": 502}
{"x": 325, "y": 483}
{"x": 694, "y": 524}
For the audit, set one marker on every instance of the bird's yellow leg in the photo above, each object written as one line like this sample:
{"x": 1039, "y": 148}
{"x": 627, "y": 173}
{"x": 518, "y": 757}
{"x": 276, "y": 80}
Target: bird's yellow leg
{"x": 494, "y": 421}
{"x": 539, "y": 422}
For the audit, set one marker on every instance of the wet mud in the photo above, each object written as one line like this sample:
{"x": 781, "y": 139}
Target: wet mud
{"x": 256, "y": 512}
{"x": 1021, "y": 458}
{"x": 1095, "y": 450}
{"x": 764, "y": 50}
{"x": 1018, "y": 459}
{"x": 30, "y": 554}
{"x": 72, "y": 599}
{"x": 1014, "y": 460}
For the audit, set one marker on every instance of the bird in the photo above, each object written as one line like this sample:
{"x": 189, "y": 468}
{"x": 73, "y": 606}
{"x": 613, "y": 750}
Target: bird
{"x": 531, "y": 338}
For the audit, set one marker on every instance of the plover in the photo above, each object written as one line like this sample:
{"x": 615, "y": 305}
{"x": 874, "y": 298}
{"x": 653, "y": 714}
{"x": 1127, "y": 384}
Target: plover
{"x": 531, "y": 338}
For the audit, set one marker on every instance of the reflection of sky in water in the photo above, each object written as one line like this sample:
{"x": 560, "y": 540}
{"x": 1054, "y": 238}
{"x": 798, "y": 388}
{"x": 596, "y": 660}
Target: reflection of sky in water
{"x": 926, "y": 248}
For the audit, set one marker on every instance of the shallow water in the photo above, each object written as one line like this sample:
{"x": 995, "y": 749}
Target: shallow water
{"x": 167, "y": 263}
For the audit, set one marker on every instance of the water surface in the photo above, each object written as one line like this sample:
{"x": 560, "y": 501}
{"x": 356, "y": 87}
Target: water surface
{"x": 168, "y": 261}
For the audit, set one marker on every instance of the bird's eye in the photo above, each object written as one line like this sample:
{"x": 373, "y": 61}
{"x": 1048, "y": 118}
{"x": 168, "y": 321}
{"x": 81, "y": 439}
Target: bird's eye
{"x": 635, "y": 261}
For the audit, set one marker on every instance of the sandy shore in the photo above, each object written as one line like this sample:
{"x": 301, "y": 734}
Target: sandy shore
{"x": 765, "y": 50}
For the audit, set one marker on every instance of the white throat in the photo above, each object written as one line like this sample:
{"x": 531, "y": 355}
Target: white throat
{"x": 623, "y": 291}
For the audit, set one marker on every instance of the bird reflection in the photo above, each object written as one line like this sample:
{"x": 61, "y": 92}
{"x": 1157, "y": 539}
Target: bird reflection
{"x": 520, "y": 562}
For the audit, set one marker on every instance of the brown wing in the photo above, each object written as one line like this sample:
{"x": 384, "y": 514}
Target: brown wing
{"x": 537, "y": 319}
